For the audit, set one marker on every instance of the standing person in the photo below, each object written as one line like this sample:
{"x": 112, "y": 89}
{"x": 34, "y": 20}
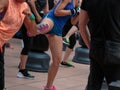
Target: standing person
{"x": 37, "y": 6}
{"x": 52, "y": 24}
{"x": 23, "y": 72}
{"x": 2, "y": 68}
{"x": 69, "y": 39}
{"x": 13, "y": 13}
{"x": 70, "y": 45}
{"x": 104, "y": 25}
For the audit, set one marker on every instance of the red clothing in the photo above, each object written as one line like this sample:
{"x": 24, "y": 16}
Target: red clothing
{"x": 12, "y": 20}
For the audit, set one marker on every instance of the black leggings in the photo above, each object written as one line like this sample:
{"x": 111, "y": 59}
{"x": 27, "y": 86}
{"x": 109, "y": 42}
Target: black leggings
{"x": 2, "y": 76}
{"x": 26, "y": 41}
{"x": 72, "y": 38}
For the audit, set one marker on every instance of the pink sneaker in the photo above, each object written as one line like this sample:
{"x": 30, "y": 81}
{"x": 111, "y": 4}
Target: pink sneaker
{"x": 51, "y": 88}
{"x": 42, "y": 28}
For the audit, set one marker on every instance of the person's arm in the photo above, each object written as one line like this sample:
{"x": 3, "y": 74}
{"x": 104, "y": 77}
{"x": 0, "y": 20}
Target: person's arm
{"x": 60, "y": 8}
{"x": 75, "y": 19}
{"x": 33, "y": 8}
{"x": 83, "y": 21}
{"x": 29, "y": 22}
{"x": 3, "y": 5}
{"x": 46, "y": 9}
{"x": 1, "y": 8}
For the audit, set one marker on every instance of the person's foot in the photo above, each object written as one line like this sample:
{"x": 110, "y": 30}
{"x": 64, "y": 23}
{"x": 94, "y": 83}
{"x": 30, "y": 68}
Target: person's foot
{"x": 52, "y": 88}
{"x": 66, "y": 41}
{"x": 68, "y": 64}
{"x": 24, "y": 74}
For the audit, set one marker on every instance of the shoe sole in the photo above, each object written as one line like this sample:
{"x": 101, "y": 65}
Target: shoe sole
{"x": 66, "y": 43}
{"x": 25, "y": 77}
{"x": 67, "y": 66}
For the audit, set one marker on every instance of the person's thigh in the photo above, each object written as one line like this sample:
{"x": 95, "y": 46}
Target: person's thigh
{"x": 55, "y": 43}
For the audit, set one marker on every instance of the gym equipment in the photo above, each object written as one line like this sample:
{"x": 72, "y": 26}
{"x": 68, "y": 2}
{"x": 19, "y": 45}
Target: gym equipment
{"x": 38, "y": 61}
{"x": 81, "y": 55}
{"x": 114, "y": 85}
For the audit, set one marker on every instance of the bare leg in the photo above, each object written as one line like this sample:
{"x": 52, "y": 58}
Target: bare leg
{"x": 55, "y": 43}
{"x": 23, "y": 60}
{"x": 71, "y": 31}
{"x": 67, "y": 54}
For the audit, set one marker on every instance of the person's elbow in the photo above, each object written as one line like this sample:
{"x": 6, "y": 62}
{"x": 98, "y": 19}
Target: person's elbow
{"x": 57, "y": 13}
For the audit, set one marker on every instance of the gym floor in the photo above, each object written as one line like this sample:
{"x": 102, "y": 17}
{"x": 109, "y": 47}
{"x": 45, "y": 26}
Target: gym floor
{"x": 68, "y": 78}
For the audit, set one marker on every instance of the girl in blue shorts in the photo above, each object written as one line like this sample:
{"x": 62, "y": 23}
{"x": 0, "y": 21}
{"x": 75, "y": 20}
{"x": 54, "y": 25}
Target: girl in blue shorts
{"x": 52, "y": 25}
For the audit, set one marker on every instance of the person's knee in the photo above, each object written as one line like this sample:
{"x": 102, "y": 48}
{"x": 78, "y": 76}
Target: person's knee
{"x": 72, "y": 44}
{"x": 72, "y": 41}
{"x": 56, "y": 62}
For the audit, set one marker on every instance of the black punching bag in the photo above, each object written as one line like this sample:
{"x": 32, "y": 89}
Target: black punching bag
{"x": 81, "y": 53}
{"x": 38, "y": 60}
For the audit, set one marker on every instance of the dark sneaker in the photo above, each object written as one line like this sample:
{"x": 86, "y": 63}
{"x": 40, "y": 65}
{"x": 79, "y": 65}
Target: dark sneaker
{"x": 66, "y": 41}
{"x": 68, "y": 64}
{"x": 24, "y": 74}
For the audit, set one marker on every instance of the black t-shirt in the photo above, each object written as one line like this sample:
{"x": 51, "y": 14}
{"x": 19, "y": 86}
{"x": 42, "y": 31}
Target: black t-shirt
{"x": 104, "y": 18}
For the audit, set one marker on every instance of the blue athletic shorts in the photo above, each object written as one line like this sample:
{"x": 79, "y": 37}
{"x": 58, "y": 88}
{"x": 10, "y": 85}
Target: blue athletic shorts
{"x": 57, "y": 30}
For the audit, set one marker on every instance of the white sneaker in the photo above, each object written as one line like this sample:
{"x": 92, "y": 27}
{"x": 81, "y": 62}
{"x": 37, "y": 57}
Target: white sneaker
{"x": 24, "y": 74}
{"x": 20, "y": 75}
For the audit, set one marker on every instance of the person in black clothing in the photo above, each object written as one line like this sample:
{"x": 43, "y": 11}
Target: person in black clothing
{"x": 2, "y": 68}
{"x": 39, "y": 6}
{"x": 102, "y": 18}
{"x": 71, "y": 45}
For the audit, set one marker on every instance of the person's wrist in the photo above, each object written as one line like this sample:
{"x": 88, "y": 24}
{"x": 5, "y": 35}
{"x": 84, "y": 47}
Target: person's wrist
{"x": 32, "y": 17}
{"x": 73, "y": 11}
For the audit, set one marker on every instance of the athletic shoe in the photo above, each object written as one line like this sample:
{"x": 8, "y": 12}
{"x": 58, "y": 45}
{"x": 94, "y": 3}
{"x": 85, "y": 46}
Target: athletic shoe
{"x": 66, "y": 41}
{"x": 24, "y": 74}
{"x": 42, "y": 27}
{"x": 68, "y": 64}
{"x": 51, "y": 88}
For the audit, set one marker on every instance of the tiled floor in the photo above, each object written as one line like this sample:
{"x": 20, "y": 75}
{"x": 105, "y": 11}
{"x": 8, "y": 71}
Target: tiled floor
{"x": 67, "y": 78}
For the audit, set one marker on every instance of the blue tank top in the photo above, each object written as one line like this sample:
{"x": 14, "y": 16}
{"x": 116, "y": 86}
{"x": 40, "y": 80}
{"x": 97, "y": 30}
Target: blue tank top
{"x": 60, "y": 20}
